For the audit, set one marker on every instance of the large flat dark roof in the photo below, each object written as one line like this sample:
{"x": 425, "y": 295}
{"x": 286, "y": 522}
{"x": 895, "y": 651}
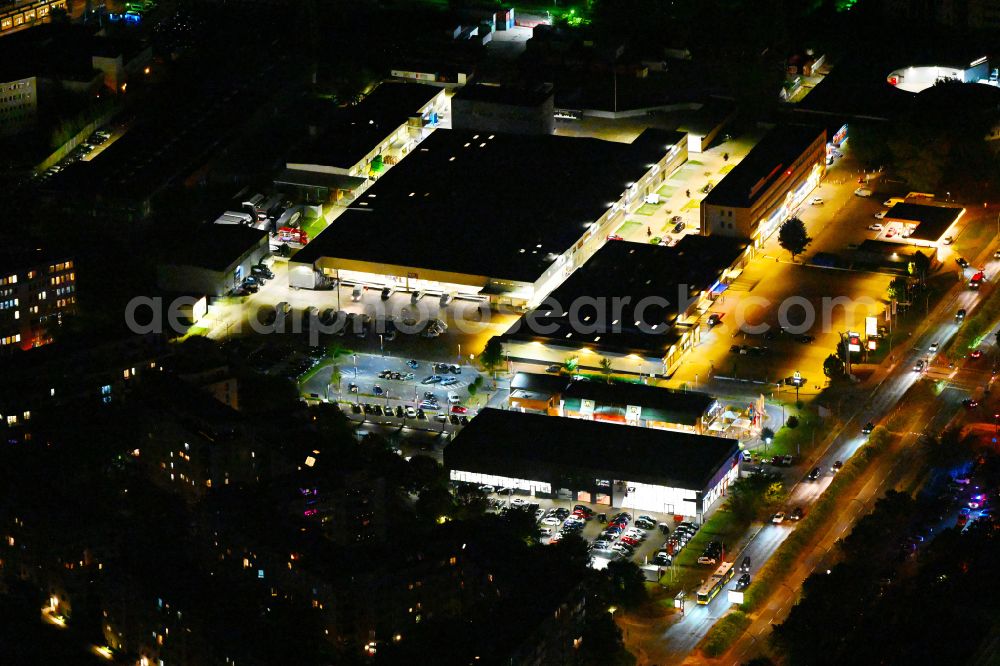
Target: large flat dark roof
{"x": 61, "y": 51}
{"x": 622, "y": 278}
{"x": 766, "y": 163}
{"x": 303, "y": 178}
{"x": 356, "y": 130}
{"x": 658, "y": 404}
{"x": 540, "y": 447}
{"x": 480, "y": 203}
{"x": 536, "y": 382}
{"x": 19, "y": 256}
{"x": 932, "y": 221}
{"x": 511, "y": 95}
{"x": 217, "y": 246}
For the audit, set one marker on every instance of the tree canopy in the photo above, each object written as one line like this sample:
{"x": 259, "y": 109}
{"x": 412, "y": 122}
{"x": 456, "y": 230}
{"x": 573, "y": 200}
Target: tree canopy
{"x": 792, "y": 236}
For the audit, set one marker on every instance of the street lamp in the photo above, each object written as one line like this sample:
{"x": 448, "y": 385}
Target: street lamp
{"x": 355, "y": 365}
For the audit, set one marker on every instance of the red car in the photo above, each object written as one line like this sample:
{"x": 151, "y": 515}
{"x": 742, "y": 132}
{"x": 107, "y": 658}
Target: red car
{"x": 976, "y": 353}
{"x": 615, "y": 237}
{"x": 630, "y": 541}
{"x": 458, "y": 409}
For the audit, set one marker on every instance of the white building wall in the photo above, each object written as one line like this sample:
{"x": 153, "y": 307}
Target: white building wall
{"x": 534, "y": 487}
{"x": 661, "y": 499}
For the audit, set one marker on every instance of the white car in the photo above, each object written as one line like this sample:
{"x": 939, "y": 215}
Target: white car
{"x": 411, "y": 413}
{"x": 933, "y": 348}
{"x": 875, "y": 227}
{"x": 453, "y": 398}
{"x": 778, "y": 518}
{"x": 517, "y": 501}
{"x": 862, "y": 192}
{"x": 551, "y": 520}
{"x": 881, "y": 214}
{"x": 816, "y": 201}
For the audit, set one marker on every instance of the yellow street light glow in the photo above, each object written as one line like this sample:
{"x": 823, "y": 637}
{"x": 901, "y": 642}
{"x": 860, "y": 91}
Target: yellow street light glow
{"x": 102, "y": 651}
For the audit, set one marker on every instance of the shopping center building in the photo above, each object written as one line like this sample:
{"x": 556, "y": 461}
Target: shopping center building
{"x": 621, "y": 466}
{"x": 766, "y": 187}
{"x": 636, "y": 305}
{"x": 489, "y": 216}
{"x": 615, "y": 402}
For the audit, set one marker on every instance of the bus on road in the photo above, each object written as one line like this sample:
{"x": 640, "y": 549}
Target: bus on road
{"x": 714, "y": 585}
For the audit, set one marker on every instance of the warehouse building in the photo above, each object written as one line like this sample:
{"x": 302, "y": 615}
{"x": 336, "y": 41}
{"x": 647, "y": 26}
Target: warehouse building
{"x": 214, "y": 260}
{"x": 641, "y": 469}
{"x": 498, "y": 217}
{"x": 517, "y": 110}
{"x": 365, "y": 140}
{"x": 764, "y": 189}
{"x": 636, "y": 305}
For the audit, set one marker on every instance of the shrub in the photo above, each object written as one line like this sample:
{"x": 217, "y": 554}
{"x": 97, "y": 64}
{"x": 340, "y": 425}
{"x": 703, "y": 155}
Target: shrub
{"x": 725, "y": 632}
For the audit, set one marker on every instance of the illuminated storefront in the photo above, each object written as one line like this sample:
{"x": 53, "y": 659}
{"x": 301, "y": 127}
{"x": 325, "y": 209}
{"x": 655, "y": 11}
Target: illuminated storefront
{"x": 766, "y": 188}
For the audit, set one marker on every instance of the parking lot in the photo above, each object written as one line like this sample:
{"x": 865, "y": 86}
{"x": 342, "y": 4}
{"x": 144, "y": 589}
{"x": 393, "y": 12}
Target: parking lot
{"x": 393, "y": 391}
{"x": 469, "y": 324}
{"x": 639, "y": 537}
